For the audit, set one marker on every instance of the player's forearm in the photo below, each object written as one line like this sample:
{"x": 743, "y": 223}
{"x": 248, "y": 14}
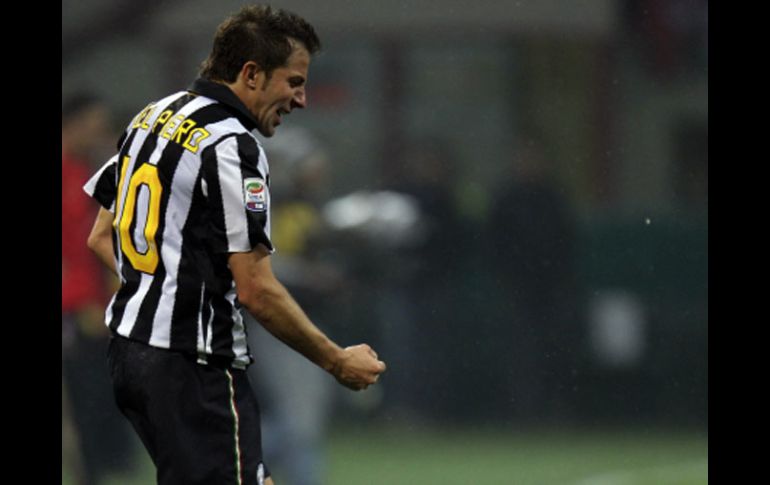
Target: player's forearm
{"x": 103, "y": 250}
{"x": 282, "y": 316}
{"x": 100, "y": 239}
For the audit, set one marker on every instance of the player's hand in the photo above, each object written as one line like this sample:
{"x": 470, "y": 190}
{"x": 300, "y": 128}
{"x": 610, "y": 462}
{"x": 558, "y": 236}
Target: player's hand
{"x": 358, "y": 368}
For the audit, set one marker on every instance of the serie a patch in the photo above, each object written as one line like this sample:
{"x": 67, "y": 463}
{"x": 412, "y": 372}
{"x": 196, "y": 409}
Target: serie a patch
{"x": 255, "y": 194}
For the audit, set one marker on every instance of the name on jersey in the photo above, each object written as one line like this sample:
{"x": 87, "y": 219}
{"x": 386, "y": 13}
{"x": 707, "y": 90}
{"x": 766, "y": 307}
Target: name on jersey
{"x": 174, "y": 127}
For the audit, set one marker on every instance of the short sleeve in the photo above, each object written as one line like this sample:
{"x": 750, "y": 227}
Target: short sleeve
{"x": 236, "y": 186}
{"x": 102, "y": 186}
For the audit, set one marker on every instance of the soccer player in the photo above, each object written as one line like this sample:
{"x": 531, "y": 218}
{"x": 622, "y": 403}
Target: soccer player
{"x": 185, "y": 224}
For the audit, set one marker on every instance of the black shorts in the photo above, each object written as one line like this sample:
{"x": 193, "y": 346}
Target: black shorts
{"x": 199, "y": 423}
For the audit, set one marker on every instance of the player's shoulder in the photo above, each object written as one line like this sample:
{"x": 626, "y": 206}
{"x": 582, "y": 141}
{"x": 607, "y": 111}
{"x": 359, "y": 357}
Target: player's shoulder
{"x": 206, "y": 112}
{"x": 221, "y": 121}
{"x": 153, "y": 111}
{"x": 197, "y": 121}
{"x": 231, "y": 137}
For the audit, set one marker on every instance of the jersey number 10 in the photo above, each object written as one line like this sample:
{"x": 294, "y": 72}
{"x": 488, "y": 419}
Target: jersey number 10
{"x": 146, "y": 175}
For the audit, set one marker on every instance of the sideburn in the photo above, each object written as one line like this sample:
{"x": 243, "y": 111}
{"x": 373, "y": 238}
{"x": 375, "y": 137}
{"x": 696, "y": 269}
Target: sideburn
{"x": 268, "y": 76}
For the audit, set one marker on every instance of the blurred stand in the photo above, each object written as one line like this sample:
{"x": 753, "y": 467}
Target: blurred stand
{"x": 95, "y": 439}
{"x": 374, "y": 228}
{"x": 418, "y": 292}
{"x": 295, "y": 395}
{"x": 532, "y": 234}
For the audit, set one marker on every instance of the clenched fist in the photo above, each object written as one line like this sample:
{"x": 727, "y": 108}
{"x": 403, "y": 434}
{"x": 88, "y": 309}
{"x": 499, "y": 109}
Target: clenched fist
{"x": 358, "y": 367}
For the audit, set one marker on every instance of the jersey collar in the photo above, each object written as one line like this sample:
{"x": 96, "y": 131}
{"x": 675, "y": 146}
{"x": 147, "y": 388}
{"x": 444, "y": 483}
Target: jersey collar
{"x": 226, "y": 96}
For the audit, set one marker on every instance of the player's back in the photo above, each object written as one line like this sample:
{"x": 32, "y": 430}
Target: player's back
{"x": 171, "y": 229}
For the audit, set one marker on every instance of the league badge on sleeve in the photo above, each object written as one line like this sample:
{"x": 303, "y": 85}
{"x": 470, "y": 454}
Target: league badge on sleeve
{"x": 255, "y": 194}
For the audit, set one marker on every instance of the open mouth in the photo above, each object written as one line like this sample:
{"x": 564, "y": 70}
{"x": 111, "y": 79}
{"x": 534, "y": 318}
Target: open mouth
{"x": 279, "y": 113}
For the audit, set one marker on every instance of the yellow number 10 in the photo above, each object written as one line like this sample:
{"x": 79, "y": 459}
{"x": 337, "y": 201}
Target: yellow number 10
{"x": 147, "y": 175}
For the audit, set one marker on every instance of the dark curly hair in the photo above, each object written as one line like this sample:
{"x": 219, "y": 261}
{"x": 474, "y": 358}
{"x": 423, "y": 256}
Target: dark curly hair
{"x": 256, "y": 33}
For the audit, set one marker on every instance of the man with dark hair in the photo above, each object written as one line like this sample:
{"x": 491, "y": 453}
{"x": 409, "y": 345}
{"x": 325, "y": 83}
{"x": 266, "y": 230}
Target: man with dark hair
{"x": 260, "y": 34}
{"x": 185, "y": 223}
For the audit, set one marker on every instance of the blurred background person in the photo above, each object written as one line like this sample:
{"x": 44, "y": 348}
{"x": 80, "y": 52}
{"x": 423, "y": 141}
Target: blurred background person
{"x": 417, "y": 295}
{"x": 532, "y": 236}
{"x": 94, "y": 437}
{"x": 296, "y": 396}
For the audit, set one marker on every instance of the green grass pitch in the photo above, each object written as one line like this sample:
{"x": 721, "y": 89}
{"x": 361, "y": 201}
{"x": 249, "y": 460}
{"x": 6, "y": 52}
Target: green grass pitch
{"x": 383, "y": 455}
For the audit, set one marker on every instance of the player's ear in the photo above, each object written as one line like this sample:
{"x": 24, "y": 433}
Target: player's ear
{"x": 253, "y": 76}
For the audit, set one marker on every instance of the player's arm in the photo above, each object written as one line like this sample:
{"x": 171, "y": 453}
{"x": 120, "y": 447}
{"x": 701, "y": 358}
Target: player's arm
{"x": 100, "y": 239}
{"x": 271, "y": 304}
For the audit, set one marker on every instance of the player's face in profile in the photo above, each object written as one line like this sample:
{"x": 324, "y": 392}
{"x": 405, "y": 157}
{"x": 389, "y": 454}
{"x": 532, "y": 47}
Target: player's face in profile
{"x": 283, "y": 91}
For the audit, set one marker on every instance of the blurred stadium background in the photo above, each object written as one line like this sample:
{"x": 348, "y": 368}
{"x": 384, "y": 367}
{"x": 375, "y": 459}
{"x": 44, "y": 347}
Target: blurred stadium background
{"x": 538, "y": 283}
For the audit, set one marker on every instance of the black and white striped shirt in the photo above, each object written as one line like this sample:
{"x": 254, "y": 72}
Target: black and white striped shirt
{"x": 188, "y": 186}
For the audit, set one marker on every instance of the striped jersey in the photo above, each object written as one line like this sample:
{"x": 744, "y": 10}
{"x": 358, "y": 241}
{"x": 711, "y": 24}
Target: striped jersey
{"x": 188, "y": 186}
